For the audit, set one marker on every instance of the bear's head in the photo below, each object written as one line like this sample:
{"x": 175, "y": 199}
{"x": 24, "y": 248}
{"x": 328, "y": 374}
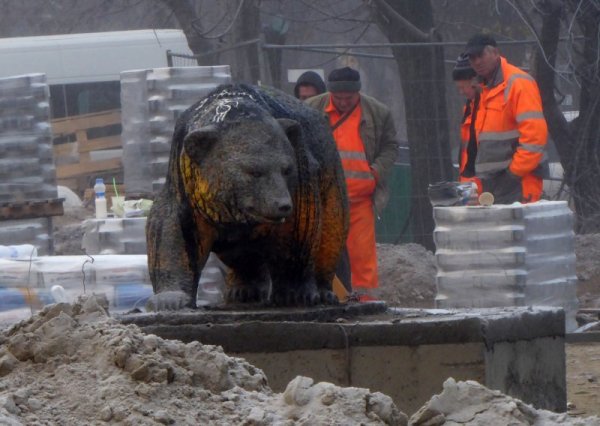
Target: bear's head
{"x": 241, "y": 171}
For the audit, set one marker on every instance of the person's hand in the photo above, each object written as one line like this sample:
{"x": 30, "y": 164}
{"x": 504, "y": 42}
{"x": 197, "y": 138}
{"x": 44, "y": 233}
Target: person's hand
{"x": 505, "y": 186}
{"x": 375, "y": 174}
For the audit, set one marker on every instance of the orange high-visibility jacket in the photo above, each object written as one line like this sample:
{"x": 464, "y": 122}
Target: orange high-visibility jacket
{"x": 511, "y": 129}
{"x": 378, "y": 134}
{"x": 360, "y": 182}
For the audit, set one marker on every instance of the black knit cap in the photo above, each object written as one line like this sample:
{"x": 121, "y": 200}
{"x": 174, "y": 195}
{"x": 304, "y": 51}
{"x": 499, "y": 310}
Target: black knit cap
{"x": 343, "y": 80}
{"x": 462, "y": 69}
{"x": 477, "y": 43}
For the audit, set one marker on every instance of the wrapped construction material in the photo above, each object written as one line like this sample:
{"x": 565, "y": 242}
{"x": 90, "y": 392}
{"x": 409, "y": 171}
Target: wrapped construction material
{"x": 114, "y": 236}
{"x": 18, "y": 273}
{"x": 25, "y": 286}
{"x": 27, "y": 170}
{"x": 26, "y": 163}
{"x": 151, "y": 101}
{"x": 506, "y": 255}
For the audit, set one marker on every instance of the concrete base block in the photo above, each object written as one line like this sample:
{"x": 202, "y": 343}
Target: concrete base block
{"x": 404, "y": 353}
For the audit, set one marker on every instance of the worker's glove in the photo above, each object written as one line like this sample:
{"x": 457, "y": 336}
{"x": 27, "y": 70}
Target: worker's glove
{"x": 505, "y": 186}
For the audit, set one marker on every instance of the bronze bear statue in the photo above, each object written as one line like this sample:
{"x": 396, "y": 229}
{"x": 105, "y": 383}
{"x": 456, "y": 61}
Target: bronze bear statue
{"x": 255, "y": 177}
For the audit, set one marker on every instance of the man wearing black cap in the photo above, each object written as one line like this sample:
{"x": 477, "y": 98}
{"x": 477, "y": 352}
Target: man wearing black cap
{"x": 365, "y": 135}
{"x": 309, "y": 84}
{"x": 510, "y": 125}
{"x": 465, "y": 78}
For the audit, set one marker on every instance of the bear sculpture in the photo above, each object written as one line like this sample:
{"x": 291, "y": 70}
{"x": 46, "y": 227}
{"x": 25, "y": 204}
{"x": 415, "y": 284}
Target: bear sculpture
{"x": 254, "y": 176}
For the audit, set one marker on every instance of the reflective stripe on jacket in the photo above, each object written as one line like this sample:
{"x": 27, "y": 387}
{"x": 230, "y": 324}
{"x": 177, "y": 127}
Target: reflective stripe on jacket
{"x": 511, "y": 129}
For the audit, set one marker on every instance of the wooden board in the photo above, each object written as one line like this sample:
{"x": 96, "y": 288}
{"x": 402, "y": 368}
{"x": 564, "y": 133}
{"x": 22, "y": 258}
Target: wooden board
{"x": 31, "y": 209}
{"x": 74, "y": 167}
{"x": 86, "y": 168}
{"x": 68, "y": 125}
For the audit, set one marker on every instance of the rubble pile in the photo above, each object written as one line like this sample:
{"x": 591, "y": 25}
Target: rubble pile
{"x": 469, "y": 403}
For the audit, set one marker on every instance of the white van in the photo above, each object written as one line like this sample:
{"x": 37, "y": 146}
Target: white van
{"x": 83, "y": 70}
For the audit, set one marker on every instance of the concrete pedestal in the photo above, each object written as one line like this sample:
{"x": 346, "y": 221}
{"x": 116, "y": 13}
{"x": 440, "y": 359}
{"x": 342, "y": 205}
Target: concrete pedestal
{"x": 404, "y": 353}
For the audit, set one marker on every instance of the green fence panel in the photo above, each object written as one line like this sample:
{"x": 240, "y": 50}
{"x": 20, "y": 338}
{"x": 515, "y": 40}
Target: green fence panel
{"x": 393, "y": 226}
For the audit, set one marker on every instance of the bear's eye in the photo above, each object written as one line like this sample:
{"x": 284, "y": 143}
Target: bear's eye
{"x": 287, "y": 171}
{"x": 256, "y": 173}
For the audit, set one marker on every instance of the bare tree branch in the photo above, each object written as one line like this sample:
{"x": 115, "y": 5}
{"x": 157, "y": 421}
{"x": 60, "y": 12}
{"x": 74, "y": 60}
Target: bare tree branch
{"x": 338, "y": 16}
{"x": 187, "y": 16}
{"x": 229, "y": 27}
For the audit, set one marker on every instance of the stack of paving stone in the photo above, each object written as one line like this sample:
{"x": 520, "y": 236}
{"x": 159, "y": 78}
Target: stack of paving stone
{"x": 114, "y": 236}
{"x": 27, "y": 169}
{"x": 151, "y": 101}
{"x": 506, "y": 255}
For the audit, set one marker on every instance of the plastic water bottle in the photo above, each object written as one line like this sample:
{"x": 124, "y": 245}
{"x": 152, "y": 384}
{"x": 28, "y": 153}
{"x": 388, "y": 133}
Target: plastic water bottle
{"x": 100, "y": 190}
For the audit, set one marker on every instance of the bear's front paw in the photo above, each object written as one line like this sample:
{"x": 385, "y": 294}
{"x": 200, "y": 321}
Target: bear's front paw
{"x": 245, "y": 294}
{"x": 168, "y": 301}
{"x": 328, "y": 297}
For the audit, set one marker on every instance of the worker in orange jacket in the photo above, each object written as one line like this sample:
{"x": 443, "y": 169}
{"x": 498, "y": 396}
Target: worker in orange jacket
{"x": 510, "y": 126}
{"x": 465, "y": 79}
{"x": 365, "y": 136}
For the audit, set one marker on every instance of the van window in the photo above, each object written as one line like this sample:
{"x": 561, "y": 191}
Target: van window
{"x": 69, "y": 100}
{"x": 84, "y": 98}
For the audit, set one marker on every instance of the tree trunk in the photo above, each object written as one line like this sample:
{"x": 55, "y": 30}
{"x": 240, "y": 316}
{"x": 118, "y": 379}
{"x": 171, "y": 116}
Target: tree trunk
{"x": 578, "y": 142}
{"x": 424, "y": 85}
{"x": 585, "y": 173}
{"x": 545, "y": 77}
{"x": 248, "y": 27}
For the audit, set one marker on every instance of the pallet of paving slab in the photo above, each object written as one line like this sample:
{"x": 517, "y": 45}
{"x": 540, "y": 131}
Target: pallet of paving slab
{"x": 31, "y": 209}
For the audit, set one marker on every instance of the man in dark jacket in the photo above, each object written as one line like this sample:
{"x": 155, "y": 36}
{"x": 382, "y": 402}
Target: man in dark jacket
{"x": 309, "y": 84}
{"x": 365, "y": 136}
{"x": 466, "y": 82}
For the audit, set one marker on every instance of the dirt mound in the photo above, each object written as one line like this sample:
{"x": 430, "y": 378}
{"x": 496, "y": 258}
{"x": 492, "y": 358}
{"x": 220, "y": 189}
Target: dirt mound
{"x": 587, "y": 250}
{"x": 406, "y": 275}
{"x": 73, "y": 364}
{"x": 469, "y": 403}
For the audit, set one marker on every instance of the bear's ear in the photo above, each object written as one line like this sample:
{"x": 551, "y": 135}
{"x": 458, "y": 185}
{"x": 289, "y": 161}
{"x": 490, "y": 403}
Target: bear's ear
{"x": 199, "y": 141}
{"x": 291, "y": 129}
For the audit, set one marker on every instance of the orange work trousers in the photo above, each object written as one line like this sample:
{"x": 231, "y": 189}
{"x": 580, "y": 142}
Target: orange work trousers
{"x": 361, "y": 245}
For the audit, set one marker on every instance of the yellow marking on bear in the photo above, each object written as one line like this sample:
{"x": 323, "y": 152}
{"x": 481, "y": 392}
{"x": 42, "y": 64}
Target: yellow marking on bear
{"x": 197, "y": 187}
